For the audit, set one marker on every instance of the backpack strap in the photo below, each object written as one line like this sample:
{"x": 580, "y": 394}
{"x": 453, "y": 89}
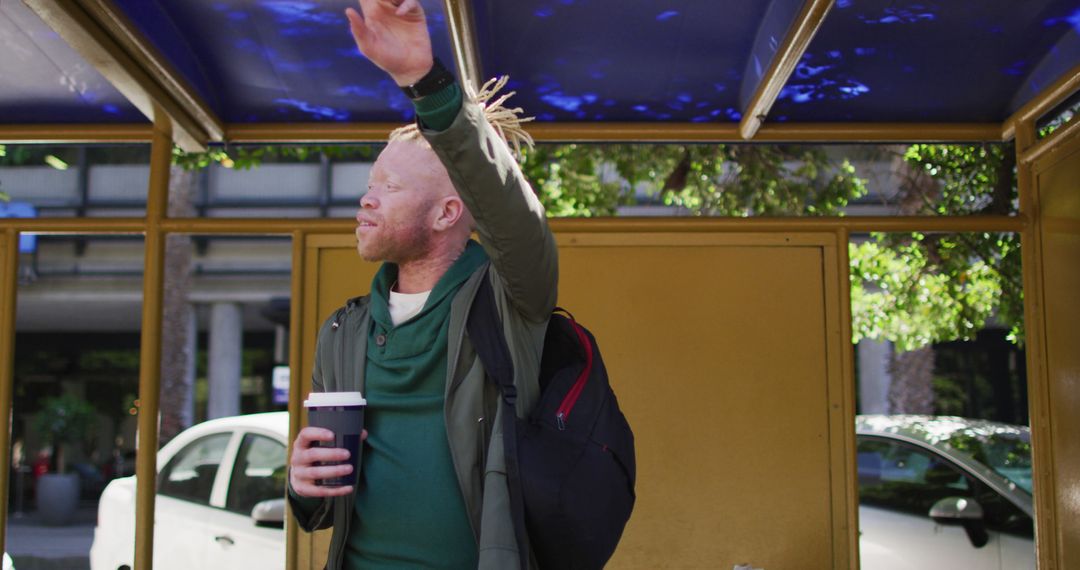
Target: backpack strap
{"x": 486, "y": 333}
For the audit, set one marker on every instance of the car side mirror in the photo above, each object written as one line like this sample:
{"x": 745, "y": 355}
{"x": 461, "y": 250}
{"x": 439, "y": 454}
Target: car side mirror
{"x": 269, "y": 513}
{"x": 962, "y": 511}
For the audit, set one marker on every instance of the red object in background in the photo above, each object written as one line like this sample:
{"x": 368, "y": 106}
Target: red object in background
{"x": 41, "y": 464}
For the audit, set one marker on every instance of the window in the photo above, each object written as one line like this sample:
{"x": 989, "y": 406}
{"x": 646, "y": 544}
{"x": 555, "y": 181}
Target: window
{"x": 258, "y": 475}
{"x": 190, "y": 474}
{"x": 902, "y": 478}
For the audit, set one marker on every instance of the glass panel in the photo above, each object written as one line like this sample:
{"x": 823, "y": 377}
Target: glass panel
{"x": 273, "y": 181}
{"x": 74, "y": 181}
{"x": 258, "y": 475}
{"x": 190, "y": 474}
{"x": 901, "y": 478}
{"x": 740, "y": 180}
{"x": 77, "y": 356}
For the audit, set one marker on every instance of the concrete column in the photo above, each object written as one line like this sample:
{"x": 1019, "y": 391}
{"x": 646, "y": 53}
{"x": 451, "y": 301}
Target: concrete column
{"x": 187, "y": 407}
{"x": 874, "y": 378}
{"x": 226, "y": 342}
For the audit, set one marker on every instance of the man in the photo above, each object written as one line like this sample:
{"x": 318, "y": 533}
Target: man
{"x": 431, "y": 491}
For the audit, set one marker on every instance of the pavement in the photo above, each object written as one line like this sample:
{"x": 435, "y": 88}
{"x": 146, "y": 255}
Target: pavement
{"x": 33, "y": 545}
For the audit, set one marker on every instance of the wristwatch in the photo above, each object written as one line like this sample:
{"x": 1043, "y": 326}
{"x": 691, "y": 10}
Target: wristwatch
{"x": 435, "y": 80}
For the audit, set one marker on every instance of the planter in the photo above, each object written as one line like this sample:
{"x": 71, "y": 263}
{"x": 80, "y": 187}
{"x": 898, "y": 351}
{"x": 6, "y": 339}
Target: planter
{"x": 57, "y": 497}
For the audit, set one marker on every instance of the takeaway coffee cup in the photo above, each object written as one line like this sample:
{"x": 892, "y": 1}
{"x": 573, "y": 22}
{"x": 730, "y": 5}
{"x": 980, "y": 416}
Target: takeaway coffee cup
{"x": 343, "y": 414}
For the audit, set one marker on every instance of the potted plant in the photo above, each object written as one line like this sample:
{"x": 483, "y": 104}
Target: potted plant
{"x": 62, "y": 421}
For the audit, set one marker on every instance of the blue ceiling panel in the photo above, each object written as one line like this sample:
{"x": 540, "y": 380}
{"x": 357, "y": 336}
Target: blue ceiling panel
{"x": 43, "y": 80}
{"x": 607, "y": 60}
{"x": 277, "y": 60}
{"x": 922, "y": 61}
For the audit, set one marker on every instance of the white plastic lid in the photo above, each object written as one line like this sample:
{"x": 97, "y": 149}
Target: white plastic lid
{"x": 333, "y": 399}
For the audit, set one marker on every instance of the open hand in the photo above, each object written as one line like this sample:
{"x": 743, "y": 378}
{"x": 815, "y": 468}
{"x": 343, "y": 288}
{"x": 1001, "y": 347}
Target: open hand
{"x": 393, "y": 34}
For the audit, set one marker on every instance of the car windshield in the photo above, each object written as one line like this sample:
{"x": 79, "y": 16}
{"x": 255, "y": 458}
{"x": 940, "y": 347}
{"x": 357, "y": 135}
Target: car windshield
{"x": 1007, "y": 453}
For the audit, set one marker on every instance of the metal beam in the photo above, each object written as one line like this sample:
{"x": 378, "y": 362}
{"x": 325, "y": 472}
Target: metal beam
{"x": 308, "y": 132}
{"x": 783, "y": 64}
{"x": 642, "y": 132}
{"x": 98, "y": 47}
{"x": 150, "y": 344}
{"x": 68, "y": 133}
{"x": 1050, "y": 142}
{"x": 1043, "y": 103}
{"x": 9, "y": 270}
{"x": 462, "y": 24}
{"x": 296, "y": 381}
{"x": 160, "y": 69}
{"x": 280, "y": 226}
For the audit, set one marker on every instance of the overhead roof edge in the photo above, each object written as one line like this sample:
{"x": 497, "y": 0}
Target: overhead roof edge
{"x": 798, "y": 38}
{"x": 103, "y": 51}
{"x": 123, "y": 30}
{"x": 75, "y": 133}
{"x": 1042, "y": 103}
{"x": 641, "y": 132}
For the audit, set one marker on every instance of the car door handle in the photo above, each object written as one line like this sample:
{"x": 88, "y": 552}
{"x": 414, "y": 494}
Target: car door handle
{"x": 225, "y": 539}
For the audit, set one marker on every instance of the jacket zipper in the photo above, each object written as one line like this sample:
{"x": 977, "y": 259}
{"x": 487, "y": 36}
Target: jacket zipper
{"x": 563, "y": 413}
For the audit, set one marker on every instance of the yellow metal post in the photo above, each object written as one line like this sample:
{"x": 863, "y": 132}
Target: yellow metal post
{"x": 296, "y": 389}
{"x": 150, "y": 345}
{"x": 9, "y": 244}
{"x": 787, "y": 56}
{"x": 847, "y": 372}
{"x": 1038, "y": 383}
{"x": 459, "y": 19}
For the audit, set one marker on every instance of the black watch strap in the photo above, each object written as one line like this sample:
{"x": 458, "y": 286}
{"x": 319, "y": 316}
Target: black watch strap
{"x": 435, "y": 80}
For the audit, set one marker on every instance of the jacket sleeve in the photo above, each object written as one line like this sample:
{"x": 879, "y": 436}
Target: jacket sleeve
{"x": 313, "y": 513}
{"x": 510, "y": 220}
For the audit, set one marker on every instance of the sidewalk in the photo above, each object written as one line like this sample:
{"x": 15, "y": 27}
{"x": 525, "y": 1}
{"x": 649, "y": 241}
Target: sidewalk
{"x": 35, "y": 546}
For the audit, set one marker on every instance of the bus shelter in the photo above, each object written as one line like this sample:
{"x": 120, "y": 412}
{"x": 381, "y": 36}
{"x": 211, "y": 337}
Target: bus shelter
{"x": 199, "y": 73}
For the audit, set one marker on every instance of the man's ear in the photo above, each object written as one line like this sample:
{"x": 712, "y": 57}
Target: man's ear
{"x": 449, "y": 211}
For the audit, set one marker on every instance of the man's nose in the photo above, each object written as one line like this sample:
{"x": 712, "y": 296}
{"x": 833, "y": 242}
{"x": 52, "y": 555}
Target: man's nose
{"x": 369, "y": 200}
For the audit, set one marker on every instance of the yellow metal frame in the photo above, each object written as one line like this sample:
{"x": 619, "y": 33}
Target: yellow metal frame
{"x": 104, "y": 37}
{"x": 806, "y": 25}
{"x": 641, "y": 132}
{"x": 459, "y": 20}
{"x": 9, "y": 245}
{"x": 124, "y": 70}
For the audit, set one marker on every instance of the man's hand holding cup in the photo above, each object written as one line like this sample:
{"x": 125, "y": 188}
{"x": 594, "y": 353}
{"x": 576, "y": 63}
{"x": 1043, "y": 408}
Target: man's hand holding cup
{"x": 326, "y": 454}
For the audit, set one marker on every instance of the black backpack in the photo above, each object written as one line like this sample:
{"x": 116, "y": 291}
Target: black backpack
{"x": 570, "y": 464}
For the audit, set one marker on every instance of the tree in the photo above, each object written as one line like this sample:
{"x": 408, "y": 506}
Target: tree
{"x": 912, "y": 289}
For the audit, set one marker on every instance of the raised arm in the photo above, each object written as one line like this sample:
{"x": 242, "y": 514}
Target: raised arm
{"x": 511, "y": 222}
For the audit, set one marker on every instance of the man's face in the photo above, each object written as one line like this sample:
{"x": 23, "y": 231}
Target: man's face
{"x": 396, "y": 215}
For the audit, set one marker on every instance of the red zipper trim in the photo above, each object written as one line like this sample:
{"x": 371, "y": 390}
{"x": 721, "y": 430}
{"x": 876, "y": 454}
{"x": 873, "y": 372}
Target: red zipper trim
{"x": 575, "y": 392}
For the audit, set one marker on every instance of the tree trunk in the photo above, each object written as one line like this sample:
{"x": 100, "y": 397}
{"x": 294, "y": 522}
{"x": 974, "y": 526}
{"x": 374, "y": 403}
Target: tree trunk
{"x": 177, "y": 392}
{"x": 911, "y": 390}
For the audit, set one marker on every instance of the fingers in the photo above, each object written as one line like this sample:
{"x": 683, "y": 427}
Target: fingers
{"x": 406, "y": 7}
{"x": 308, "y": 464}
{"x": 357, "y": 25}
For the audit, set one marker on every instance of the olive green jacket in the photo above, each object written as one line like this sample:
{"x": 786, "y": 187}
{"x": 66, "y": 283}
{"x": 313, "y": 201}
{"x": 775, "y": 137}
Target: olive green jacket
{"x": 514, "y": 232}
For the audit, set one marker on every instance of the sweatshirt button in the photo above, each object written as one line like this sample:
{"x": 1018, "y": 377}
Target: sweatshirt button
{"x": 380, "y": 340}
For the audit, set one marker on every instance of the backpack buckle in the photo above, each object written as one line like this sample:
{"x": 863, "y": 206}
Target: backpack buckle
{"x": 510, "y": 394}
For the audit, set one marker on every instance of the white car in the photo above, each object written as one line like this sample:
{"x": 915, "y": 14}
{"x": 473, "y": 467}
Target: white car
{"x": 934, "y": 492}
{"x": 220, "y": 500}
{"x": 944, "y": 492}
{"x": 7, "y": 565}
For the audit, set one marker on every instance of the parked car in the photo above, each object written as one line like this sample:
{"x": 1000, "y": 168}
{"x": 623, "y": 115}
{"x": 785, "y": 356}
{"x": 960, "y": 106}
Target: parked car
{"x": 220, "y": 500}
{"x": 944, "y": 492}
{"x": 934, "y": 492}
{"x": 7, "y": 565}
